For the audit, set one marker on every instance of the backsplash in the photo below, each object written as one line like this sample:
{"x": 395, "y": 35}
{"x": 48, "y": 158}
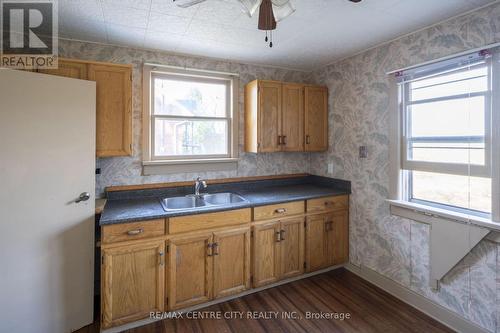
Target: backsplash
{"x": 359, "y": 116}
{"x": 128, "y": 170}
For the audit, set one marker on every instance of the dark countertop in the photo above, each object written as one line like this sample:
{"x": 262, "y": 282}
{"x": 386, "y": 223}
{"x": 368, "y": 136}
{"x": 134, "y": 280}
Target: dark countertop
{"x": 145, "y": 205}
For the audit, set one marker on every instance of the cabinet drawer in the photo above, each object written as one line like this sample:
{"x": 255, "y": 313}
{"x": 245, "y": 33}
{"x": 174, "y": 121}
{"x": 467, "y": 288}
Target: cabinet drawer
{"x": 132, "y": 231}
{"x": 277, "y": 211}
{"x": 328, "y": 204}
{"x": 181, "y": 224}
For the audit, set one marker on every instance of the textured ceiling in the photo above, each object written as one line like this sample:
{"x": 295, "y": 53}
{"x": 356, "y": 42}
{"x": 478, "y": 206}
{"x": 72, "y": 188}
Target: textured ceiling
{"x": 319, "y": 32}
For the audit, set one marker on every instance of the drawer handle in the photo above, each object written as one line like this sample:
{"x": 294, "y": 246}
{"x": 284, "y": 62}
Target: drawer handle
{"x": 282, "y": 235}
{"x": 210, "y": 248}
{"x": 135, "y": 232}
{"x": 216, "y": 247}
{"x": 280, "y": 210}
{"x": 278, "y": 236}
{"x": 162, "y": 258}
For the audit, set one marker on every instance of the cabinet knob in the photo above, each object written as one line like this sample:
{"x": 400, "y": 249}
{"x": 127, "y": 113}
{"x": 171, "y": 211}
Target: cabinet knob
{"x": 278, "y": 236}
{"x": 162, "y": 258}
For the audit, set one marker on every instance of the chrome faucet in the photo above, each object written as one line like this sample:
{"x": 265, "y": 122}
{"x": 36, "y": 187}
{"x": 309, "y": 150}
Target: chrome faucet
{"x": 199, "y": 184}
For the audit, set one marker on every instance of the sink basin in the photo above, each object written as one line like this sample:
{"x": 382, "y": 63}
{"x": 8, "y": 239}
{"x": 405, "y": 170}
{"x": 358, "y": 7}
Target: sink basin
{"x": 206, "y": 200}
{"x": 223, "y": 198}
{"x": 182, "y": 203}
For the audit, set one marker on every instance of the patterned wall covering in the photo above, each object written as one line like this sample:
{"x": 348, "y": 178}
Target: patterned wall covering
{"x": 396, "y": 247}
{"x": 127, "y": 170}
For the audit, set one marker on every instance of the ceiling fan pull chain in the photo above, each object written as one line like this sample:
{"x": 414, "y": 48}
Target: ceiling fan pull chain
{"x": 271, "y": 43}
{"x": 266, "y": 39}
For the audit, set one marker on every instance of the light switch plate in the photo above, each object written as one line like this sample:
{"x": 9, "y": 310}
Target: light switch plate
{"x": 363, "y": 151}
{"x": 330, "y": 168}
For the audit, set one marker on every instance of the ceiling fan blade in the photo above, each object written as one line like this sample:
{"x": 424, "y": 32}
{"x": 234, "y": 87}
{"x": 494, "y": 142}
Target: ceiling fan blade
{"x": 187, "y": 3}
{"x": 282, "y": 9}
{"x": 250, "y": 6}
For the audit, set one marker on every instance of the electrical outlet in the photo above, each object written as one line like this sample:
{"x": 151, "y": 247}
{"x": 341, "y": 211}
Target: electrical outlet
{"x": 363, "y": 151}
{"x": 330, "y": 168}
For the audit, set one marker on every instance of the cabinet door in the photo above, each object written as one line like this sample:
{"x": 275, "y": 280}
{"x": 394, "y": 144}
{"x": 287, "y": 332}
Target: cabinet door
{"x": 340, "y": 237}
{"x": 190, "y": 271}
{"x": 266, "y": 255}
{"x": 231, "y": 253}
{"x": 114, "y": 109}
{"x": 293, "y": 117}
{"x": 68, "y": 68}
{"x": 269, "y": 116}
{"x": 316, "y": 118}
{"x": 316, "y": 251}
{"x": 292, "y": 247}
{"x": 132, "y": 282}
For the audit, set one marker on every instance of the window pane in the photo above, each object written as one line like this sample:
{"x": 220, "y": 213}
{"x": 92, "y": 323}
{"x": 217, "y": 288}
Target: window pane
{"x": 463, "y": 153}
{"x": 189, "y": 98}
{"x": 459, "y": 117}
{"x": 455, "y": 83}
{"x": 460, "y": 191}
{"x": 191, "y": 137}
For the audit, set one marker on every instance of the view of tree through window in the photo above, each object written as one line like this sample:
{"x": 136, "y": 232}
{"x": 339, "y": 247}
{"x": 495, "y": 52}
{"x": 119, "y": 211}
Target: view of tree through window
{"x": 191, "y": 116}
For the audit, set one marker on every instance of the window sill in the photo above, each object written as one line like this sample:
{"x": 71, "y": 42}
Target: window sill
{"x": 424, "y": 214}
{"x": 186, "y": 166}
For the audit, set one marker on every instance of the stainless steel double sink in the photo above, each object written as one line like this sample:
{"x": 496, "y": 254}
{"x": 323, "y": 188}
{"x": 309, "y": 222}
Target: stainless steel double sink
{"x": 203, "y": 200}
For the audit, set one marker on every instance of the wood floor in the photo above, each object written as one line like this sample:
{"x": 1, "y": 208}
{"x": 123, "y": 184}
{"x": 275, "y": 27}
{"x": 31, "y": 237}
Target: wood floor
{"x": 371, "y": 310}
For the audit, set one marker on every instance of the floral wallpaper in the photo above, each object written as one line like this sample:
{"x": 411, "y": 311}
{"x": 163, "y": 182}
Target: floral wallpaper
{"x": 128, "y": 170}
{"x": 359, "y": 88}
{"x": 393, "y": 246}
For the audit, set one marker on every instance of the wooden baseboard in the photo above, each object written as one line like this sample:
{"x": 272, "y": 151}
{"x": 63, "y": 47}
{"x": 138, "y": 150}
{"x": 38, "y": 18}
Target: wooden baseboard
{"x": 220, "y": 300}
{"x": 436, "y": 311}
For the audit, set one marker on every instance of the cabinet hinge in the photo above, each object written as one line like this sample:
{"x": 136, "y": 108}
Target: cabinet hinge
{"x": 305, "y": 224}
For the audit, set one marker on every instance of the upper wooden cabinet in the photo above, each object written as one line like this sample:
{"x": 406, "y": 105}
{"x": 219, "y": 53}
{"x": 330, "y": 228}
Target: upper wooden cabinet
{"x": 113, "y": 102}
{"x": 316, "y": 118}
{"x": 283, "y": 116}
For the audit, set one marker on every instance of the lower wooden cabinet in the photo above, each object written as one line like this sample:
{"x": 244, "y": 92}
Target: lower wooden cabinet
{"x": 208, "y": 266}
{"x": 177, "y": 271}
{"x": 133, "y": 282}
{"x": 327, "y": 240}
{"x": 189, "y": 270}
{"x": 278, "y": 250}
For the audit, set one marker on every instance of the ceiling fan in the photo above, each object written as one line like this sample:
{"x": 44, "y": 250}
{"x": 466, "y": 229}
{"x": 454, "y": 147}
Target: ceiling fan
{"x": 270, "y": 12}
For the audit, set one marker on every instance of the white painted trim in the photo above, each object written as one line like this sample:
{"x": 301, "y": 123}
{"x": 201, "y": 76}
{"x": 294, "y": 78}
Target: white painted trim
{"x": 408, "y": 209}
{"x": 421, "y": 303}
{"x": 220, "y": 300}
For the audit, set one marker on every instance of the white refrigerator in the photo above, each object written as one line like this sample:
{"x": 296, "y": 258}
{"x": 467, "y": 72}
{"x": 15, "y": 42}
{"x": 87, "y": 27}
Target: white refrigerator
{"x": 47, "y": 202}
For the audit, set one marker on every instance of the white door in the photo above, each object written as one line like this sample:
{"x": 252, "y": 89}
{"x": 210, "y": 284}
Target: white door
{"x": 47, "y": 158}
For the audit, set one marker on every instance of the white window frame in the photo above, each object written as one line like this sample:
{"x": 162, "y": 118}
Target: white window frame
{"x": 153, "y": 164}
{"x": 398, "y": 200}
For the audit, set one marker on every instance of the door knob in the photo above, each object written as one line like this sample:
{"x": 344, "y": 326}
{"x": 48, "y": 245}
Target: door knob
{"x": 84, "y": 196}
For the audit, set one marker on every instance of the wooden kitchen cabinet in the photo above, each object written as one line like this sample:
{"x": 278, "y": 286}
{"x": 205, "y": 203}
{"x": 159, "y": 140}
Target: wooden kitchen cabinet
{"x": 293, "y": 117}
{"x": 133, "y": 282}
{"x": 282, "y": 116}
{"x": 207, "y": 266}
{"x": 231, "y": 255}
{"x": 278, "y": 250}
{"x": 327, "y": 240}
{"x": 113, "y": 102}
{"x": 67, "y": 68}
{"x": 190, "y": 270}
{"x": 316, "y": 118}
{"x": 266, "y": 253}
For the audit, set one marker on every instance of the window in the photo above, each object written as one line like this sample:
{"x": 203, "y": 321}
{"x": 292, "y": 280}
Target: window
{"x": 190, "y": 117}
{"x": 446, "y": 135}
